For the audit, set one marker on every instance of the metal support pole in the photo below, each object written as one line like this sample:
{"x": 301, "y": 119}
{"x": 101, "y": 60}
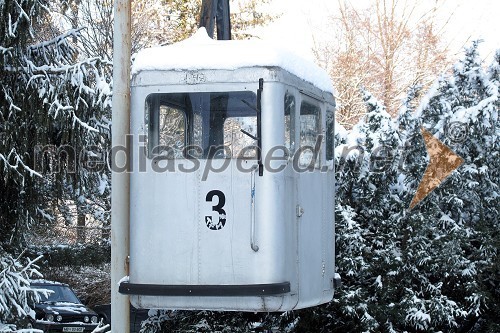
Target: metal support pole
{"x": 216, "y": 13}
{"x": 120, "y": 182}
{"x": 223, "y": 20}
{"x": 207, "y": 16}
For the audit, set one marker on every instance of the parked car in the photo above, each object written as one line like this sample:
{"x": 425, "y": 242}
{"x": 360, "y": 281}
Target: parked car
{"x": 60, "y": 310}
{"x": 137, "y": 316}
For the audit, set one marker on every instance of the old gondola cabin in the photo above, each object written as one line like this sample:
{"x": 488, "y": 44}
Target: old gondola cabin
{"x": 232, "y": 187}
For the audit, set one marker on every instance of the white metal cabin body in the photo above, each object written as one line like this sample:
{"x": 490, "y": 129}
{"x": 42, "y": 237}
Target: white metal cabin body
{"x": 210, "y": 229}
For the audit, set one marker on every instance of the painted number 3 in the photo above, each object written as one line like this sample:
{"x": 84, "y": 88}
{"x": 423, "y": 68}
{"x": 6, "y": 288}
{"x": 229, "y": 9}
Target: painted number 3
{"x": 209, "y": 220}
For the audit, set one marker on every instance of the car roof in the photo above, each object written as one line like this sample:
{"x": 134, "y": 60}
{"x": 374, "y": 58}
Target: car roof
{"x": 48, "y": 283}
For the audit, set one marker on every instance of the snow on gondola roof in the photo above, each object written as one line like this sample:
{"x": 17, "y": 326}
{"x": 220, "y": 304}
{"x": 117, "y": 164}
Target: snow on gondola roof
{"x": 201, "y": 52}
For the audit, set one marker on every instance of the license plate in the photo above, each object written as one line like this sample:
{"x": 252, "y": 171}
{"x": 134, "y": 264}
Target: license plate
{"x": 73, "y": 329}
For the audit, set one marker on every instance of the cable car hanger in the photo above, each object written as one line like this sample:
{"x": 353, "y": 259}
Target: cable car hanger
{"x": 216, "y": 11}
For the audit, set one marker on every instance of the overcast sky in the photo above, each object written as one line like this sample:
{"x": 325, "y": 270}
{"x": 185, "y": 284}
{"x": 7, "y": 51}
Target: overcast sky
{"x": 304, "y": 21}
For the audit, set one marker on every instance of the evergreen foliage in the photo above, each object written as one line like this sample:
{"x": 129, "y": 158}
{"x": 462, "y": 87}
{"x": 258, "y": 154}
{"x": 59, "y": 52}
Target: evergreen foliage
{"x": 468, "y": 202}
{"x": 53, "y": 109}
{"x": 16, "y": 296}
{"x": 434, "y": 268}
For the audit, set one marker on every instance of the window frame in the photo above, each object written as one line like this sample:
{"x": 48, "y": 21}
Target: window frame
{"x": 319, "y": 105}
{"x": 189, "y": 109}
{"x": 154, "y": 142}
{"x": 291, "y": 145}
{"x": 329, "y": 134}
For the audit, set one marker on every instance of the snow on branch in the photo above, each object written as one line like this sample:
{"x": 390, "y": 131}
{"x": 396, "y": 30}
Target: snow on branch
{"x": 58, "y": 40}
{"x": 57, "y": 50}
{"x": 21, "y": 15}
{"x": 57, "y": 107}
{"x": 9, "y": 99}
{"x": 45, "y": 215}
{"x": 17, "y": 162}
{"x": 85, "y": 81}
{"x": 15, "y": 290}
{"x": 77, "y": 89}
{"x": 4, "y": 50}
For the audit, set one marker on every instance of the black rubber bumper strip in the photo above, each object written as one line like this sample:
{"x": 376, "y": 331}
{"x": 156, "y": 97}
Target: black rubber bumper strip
{"x": 205, "y": 290}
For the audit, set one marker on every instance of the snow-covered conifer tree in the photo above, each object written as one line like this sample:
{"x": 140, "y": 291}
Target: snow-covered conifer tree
{"x": 463, "y": 113}
{"x": 431, "y": 268}
{"x": 16, "y": 296}
{"x": 53, "y": 110}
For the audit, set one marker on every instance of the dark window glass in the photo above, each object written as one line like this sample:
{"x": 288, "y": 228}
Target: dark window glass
{"x": 218, "y": 124}
{"x": 330, "y": 135}
{"x": 290, "y": 122}
{"x": 310, "y": 120}
{"x": 55, "y": 293}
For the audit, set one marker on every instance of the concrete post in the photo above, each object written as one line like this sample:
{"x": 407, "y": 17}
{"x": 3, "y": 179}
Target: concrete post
{"x": 120, "y": 181}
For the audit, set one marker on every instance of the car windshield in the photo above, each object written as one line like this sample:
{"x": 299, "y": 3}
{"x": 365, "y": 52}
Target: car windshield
{"x": 57, "y": 293}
